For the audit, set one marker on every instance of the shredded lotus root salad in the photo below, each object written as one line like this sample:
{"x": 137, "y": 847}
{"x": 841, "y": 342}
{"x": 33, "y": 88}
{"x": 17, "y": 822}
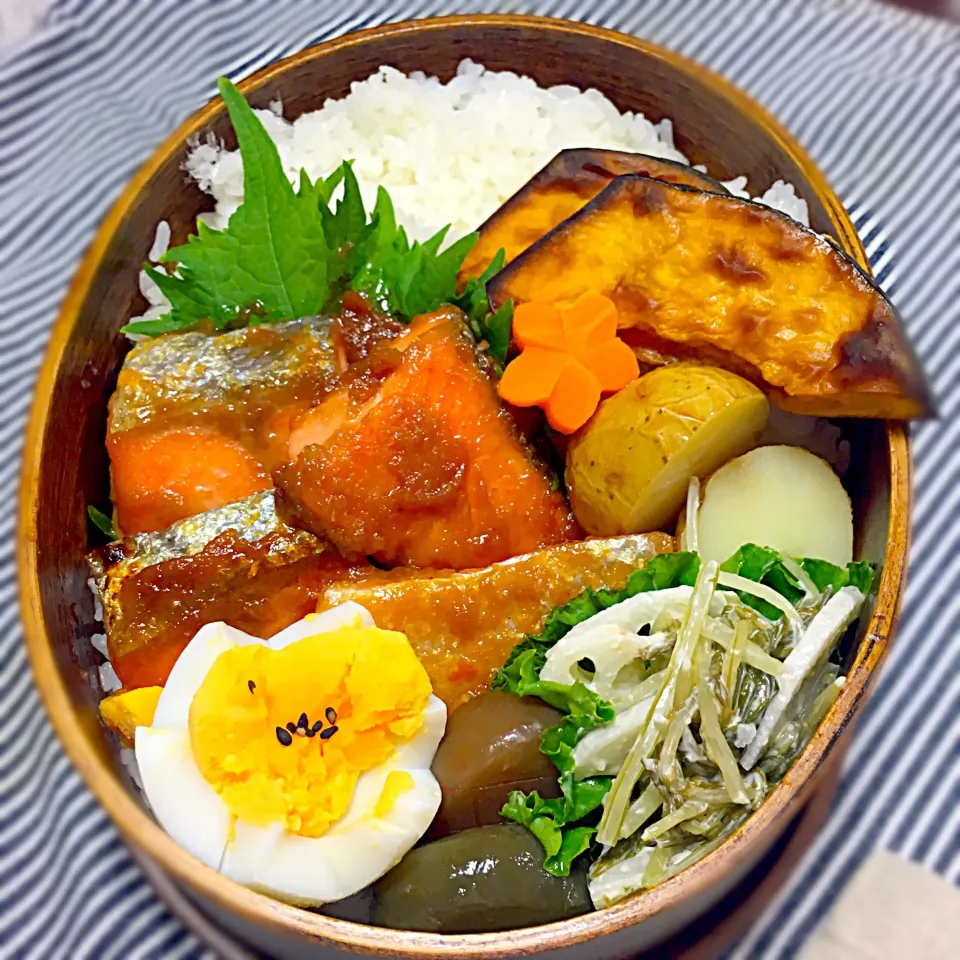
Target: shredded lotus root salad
{"x": 687, "y": 696}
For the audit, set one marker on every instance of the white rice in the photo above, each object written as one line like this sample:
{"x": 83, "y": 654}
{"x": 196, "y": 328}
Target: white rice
{"x": 109, "y": 680}
{"x": 128, "y": 758}
{"x": 446, "y": 152}
{"x": 161, "y": 241}
{"x": 99, "y": 643}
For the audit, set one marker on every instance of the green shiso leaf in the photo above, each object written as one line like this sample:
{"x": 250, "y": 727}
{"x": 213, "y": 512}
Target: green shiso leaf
{"x": 102, "y": 522}
{"x": 496, "y": 327}
{"x": 272, "y": 259}
{"x": 285, "y": 254}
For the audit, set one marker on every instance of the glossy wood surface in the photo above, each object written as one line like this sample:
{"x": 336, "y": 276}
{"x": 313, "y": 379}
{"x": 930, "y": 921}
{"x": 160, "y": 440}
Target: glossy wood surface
{"x": 65, "y": 461}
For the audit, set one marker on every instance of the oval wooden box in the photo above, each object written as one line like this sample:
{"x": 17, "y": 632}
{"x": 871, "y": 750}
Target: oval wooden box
{"x": 65, "y": 462}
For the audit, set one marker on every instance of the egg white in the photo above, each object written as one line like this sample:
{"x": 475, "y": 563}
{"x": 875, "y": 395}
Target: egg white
{"x": 355, "y": 851}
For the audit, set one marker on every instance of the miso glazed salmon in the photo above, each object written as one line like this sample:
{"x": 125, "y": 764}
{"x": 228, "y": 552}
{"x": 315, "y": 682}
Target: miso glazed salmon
{"x": 454, "y": 548}
{"x": 239, "y": 564}
{"x": 194, "y": 417}
{"x": 463, "y": 624}
{"x": 415, "y": 463}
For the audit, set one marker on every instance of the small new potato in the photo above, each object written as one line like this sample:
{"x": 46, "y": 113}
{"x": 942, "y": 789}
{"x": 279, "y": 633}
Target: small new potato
{"x": 629, "y": 467}
{"x": 781, "y": 497}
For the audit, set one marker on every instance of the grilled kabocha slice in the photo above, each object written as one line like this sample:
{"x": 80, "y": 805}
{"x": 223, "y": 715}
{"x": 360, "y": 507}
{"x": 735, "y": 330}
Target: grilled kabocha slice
{"x": 735, "y": 284}
{"x": 559, "y": 190}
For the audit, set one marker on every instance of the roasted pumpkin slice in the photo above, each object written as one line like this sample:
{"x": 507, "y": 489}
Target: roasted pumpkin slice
{"x": 414, "y": 462}
{"x": 559, "y": 190}
{"x": 735, "y": 284}
{"x": 463, "y": 625}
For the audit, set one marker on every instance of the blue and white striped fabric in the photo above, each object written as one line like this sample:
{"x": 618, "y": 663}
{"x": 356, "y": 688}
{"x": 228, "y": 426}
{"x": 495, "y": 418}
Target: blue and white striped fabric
{"x": 874, "y": 95}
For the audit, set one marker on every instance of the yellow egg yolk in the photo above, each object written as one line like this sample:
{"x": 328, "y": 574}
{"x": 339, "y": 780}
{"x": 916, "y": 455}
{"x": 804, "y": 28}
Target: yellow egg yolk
{"x": 361, "y": 689}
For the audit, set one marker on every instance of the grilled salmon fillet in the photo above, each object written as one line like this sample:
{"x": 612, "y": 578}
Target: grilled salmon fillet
{"x": 412, "y": 460}
{"x": 238, "y": 563}
{"x": 462, "y": 625}
{"x": 198, "y": 421}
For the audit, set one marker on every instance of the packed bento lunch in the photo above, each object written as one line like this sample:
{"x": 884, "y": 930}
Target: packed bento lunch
{"x": 479, "y": 550}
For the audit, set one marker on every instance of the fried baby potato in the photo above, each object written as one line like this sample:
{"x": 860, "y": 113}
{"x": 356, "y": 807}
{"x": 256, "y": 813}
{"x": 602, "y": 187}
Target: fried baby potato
{"x": 463, "y": 625}
{"x": 559, "y": 190}
{"x": 628, "y": 469}
{"x": 731, "y": 283}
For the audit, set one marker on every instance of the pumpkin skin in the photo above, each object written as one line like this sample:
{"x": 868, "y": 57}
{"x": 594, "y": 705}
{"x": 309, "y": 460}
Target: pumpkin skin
{"x": 562, "y": 188}
{"x": 735, "y": 284}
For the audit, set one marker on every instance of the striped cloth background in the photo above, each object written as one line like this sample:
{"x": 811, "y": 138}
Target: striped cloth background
{"x": 874, "y": 95}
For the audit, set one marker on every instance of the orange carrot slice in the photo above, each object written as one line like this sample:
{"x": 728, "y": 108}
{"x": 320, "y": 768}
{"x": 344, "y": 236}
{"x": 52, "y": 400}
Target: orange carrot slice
{"x": 613, "y": 363}
{"x": 530, "y": 380}
{"x": 590, "y": 321}
{"x": 538, "y": 325}
{"x": 574, "y": 399}
{"x": 568, "y": 358}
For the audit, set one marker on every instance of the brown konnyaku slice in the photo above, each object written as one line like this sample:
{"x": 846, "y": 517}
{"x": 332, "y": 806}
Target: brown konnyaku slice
{"x": 239, "y": 563}
{"x": 464, "y": 624}
{"x": 414, "y": 462}
{"x": 733, "y": 283}
{"x": 559, "y": 190}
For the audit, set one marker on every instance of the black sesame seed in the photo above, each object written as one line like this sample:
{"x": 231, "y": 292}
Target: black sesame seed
{"x": 303, "y": 721}
{"x": 331, "y": 715}
{"x": 284, "y": 737}
{"x": 291, "y": 726}
{"x": 328, "y": 733}
{"x": 317, "y": 726}
{"x": 251, "y": 686}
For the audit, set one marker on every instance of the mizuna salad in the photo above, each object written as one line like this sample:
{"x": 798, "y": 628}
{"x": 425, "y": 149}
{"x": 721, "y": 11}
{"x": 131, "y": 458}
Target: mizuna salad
{"x": 466, "y": 581}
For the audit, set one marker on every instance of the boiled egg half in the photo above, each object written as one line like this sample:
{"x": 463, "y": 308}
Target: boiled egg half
{"x": 298, "y": 766}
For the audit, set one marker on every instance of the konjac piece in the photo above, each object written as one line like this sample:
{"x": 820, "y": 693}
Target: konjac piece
{"x": 238, "y": 563}
{"x": 488, "y": 878}
{"x": 734, "y": 284}
{"x": 414, "y": 462}
{"x": 464, "y": 624}
{"x": 571, "y": 179}
{"x": 491, "y": 746}
{"x": 197, "y": 419}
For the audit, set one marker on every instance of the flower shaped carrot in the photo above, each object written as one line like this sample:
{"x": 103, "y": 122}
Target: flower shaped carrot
{"x": 568, "y": 359}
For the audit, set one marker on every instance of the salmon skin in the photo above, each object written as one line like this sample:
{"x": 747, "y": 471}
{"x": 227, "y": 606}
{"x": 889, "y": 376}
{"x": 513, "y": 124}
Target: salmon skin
{"x": 197, "y": 421}
{"x": 172, "y": 374}
{"x": 239, "y": 563}
{"x": 463, "y": 625}
{"x": 413, "y": 461}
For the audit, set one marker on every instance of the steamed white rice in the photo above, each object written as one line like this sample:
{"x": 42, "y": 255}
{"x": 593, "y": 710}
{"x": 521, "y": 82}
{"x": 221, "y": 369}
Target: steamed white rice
{"x": 446, "y": 152}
